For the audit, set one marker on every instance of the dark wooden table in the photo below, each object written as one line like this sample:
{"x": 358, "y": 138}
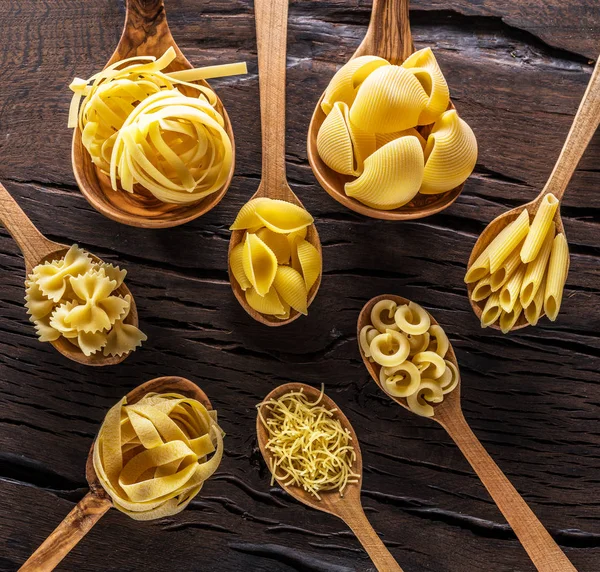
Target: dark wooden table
{"x": 517, "y": 70}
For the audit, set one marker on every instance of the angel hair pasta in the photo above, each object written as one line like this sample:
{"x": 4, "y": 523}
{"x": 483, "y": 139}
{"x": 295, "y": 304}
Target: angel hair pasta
{"x": 152, "y": 457}
{"x": 308, "y": 445}
{"x": 274, "y": 263}
{"x": 522, "y": 272}
{"x": 141, "y": 127}
{"x": 77, "y": 298}
{"x": 411, "y": 354}
{"x": 389, "y": 129}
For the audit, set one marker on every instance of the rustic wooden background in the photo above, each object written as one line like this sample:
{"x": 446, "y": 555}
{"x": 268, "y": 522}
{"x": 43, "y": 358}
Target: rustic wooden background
{"x": 517, "y": 70}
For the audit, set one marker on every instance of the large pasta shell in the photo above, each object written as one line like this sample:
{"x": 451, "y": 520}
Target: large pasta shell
{"x": 309, "y": 260}
{"x": 247, "y": 218}
{"x": 382, "y": 138}
{"x": 283, "y": 217}
{"x": 450, "y": 154}
{"x": 269, "y": 304}
{"x": 345, "y": 83}
{"x": 236, "y": 262}
{"x": 259, "y": 263}
{"x": 392, "y": 175}
{"x": 291, "y": 288}
{"x": 278, "y": 243}
{"x": 426, "y": 69}
{"x": 390, "y": 99}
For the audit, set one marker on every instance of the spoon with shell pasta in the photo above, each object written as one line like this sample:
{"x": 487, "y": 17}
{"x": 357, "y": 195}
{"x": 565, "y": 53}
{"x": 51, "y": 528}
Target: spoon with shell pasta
{"x": 410, "y": 358}
{"x": 174, "y": 436}
{"x": 77, "y": 302}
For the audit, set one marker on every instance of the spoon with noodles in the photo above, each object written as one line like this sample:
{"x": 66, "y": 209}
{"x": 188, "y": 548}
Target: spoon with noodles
{"x": 388, "y": 36}
{"x": 37, "y": 249}
{"x": 347, "y": 507}
{"x": 95, "y": 503}
{"x": 271, "y": 38}
{"x": 583, "y": 128}
{"x": 543, "y": 551}
{"x": 146, "y": 33}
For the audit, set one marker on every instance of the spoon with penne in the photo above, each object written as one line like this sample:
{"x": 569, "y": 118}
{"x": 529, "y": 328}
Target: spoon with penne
{"x": 160, "y": 400}
{"x": 60, "y": 267}
{"x": 410, "y": 358}
{"x": 274, "y": 250}
{"x": 519, "y": 264}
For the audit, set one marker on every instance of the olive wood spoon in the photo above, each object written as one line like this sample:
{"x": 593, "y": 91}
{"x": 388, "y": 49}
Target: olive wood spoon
{"x": 271, "y": 37}
{"x": 37, "y": 249}
{"x": 348, "y": 507}
{"x": 388, "y": 36}
{"x": 582, "y": 130}
{"x": 545, "y": 554}
{"x": 94, "y": 504}
{"x": 146, "y": 33}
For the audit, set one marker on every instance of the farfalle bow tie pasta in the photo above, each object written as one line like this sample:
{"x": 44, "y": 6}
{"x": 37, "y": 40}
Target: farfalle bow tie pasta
{"x": 390, "y": 127}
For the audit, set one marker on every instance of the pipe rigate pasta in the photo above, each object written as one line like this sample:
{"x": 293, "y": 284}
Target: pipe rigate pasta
{"x": 412, "y": 319}
{"x": 377, "y": 315}
{"x": 390, "y": 349}
{"x": 430, "y": 364}
{"x": 402, "y": 380}
{"x": 418, "y": 343}
{"x": 428, "y": 392}
{"x": 438, "y": 340}
{"x": 366, "y": 336}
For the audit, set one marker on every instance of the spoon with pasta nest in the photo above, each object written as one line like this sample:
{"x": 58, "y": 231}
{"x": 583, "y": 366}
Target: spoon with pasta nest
{"x": 96, "y": 503}
{"x": 348, "y": 507}
{"x": 271, "y": 38}
{"x": 146, "y": 33}
{"x": 582, "y": 129}
{"x": 388, "y": 36}
{"x": 540, "y": 546}
{"x": 37, "y": 249}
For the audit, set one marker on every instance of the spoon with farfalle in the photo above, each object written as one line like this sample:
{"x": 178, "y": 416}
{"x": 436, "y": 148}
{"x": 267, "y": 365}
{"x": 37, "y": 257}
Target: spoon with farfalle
{"x": 420, "y": 372}
{"x": 113, "y": 333}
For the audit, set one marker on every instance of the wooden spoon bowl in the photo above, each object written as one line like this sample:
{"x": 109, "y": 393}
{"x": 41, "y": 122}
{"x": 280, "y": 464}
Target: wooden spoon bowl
{"x": 541, "y": 548}
{"x": 347, "y": 507}
{"x": 96, "y": 503}
{"x": 388, "y": 36}
{"x": 37, "y": 249}
{"x": 146, "y": 33}
{"x": 271, "y": 37}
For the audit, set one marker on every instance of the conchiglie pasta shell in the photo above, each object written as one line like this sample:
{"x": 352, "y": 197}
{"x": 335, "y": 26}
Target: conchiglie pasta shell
{"x": 291, "y": 288}
{"x": 236, "y": 263}
{"x": 292, "y": 236}
{"x": 247, "y": 218}
{"x": 392, "y": 175}
{"x": 259, "y": 263}
{"x": 383, "y": 138}
{"x": 283, "y": 217}
{"x": 390, "y": 99}
{"x": 426, "y": 69}
{"x": 309, "y": 261}
{"x": 450, "y": 155}
{"x": 278, "y": 243}
{"x": 334, "y": 144}
{"x": 345, "y": 83}
{"x": 269, "y": 304}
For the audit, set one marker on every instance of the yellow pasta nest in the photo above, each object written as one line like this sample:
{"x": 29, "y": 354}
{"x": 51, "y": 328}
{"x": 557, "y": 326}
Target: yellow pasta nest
{"x": 74, "y": 297}
{"x": 274, "y": 263}
{"x": 374, "y": 111}
{"x": 152, "y": 457}
{"x": 141, "y": 129}
{"x": 522, "y": 271}
{"x": 410, "y": 352}
{"x": 309, "y": 447}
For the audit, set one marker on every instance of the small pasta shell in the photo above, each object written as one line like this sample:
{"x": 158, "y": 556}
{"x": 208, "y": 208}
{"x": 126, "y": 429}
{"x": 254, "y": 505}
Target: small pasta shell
{"x": 412, "y": 319}
{"x": 260, "y": 264}
{"x": 269, "y": 304}
{"x": 392, "y": 175}
{"x": 390, "y": 99}
{"x": 247, "y": 218}
{"x": 402, "y": 380}
{"x": 292, "y": 236}
{"x": 450, "y": 154}
{"x": 278, "y": 243}
{"x": 390, "y": 349}
{"x": 236, "y": 264}
{"x": 378, "y": 309}
{"x": 291, "y": 288}
{"x": 283, "y": 217}
{"x": 382, "y": 138}
{"x": 309, "y": 261}
{"x": 334, "y": 144}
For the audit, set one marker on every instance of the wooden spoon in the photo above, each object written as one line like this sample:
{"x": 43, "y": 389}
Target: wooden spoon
{"x": 146, "y": 33}
{"x": 543, "y": 551}
{"x": 94, "y": 504}
{"x": 348, "y": 507}
{"x": 271, "y": 38}
{"x": 583, "y": 128}
{"x": 37, "y": 249}
{"x": 388, "y": 36}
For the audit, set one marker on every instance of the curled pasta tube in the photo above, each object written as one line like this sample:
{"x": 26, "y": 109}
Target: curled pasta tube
{"x": 390, "y": 349}
{"x": 449, "y": 379}
{"x": 439, "y": 344}
{"x": 401, "y": 380}
{"x": 418, "y": 343}
{"x": 412, "y": 319}
{"x": 367, "y": 334}
{"x": 429, "y": 392}
{"x": 381, "y": 306}
{"x": 430, "y": 364}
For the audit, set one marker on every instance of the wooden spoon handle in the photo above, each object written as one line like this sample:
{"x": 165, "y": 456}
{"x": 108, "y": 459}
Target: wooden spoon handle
{"x": 583, "y": 128}
{"x": 271, "y": 38}
{"x": 33, "y": 244}
{"x": 388, "y": 35}
{"x": 543, "y": 551}
{"x": 354, "y": 516}
{"x": 67, "y": 534}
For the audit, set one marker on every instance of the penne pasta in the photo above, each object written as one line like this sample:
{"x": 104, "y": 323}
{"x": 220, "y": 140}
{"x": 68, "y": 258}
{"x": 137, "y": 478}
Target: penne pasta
{"x": 508, "y": 240}
{"x": 536, "y": 269}
{"x": 558, "y": 268}
{"x": 509, "y": 319}
{"x": 540, "y": 227}
{"x": 491, "y": 310}
{"x": 500, "y": 277}
{"x": 510, "y": 291}
{"x": 534, "y": 310}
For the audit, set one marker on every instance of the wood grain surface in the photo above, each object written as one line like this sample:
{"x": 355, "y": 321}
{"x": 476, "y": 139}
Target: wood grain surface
{"x": 516, "y": 71}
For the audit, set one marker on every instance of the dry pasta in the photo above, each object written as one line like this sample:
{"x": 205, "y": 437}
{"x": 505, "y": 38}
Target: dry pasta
{"x": 558, "y": 268}
{"x": 540, "y": 227}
